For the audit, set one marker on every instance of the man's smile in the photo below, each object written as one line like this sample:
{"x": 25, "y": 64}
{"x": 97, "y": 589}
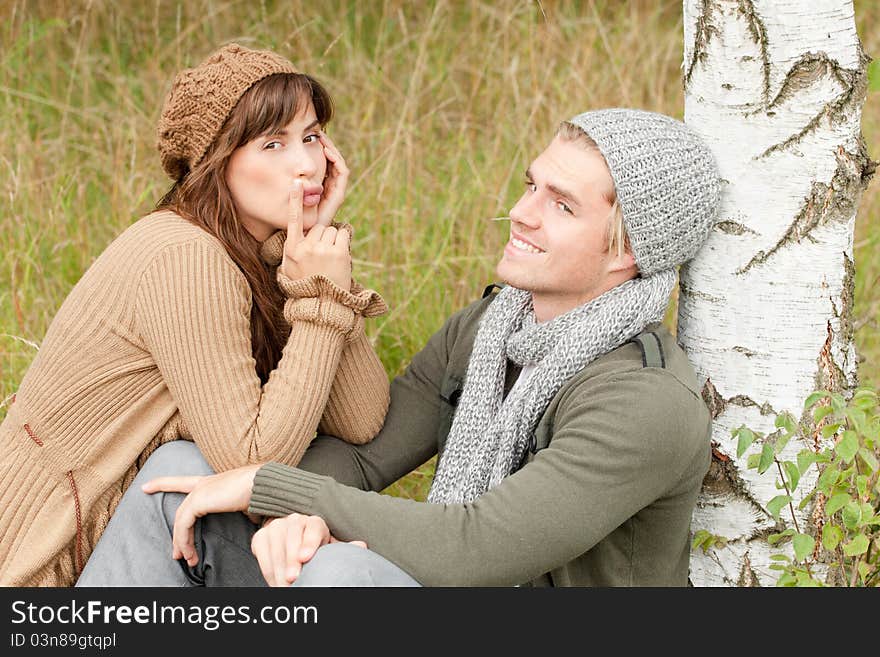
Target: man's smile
{"x": 524, "y": 245}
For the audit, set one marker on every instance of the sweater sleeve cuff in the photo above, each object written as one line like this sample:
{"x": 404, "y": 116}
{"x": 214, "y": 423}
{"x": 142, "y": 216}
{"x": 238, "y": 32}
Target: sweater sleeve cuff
{"x": 323, "y": 312}
{"x": 363, "y": 301}
{"x": 319, "y": 300}
{"x": 280, "y": 490}
{"x": 376, "y": 304}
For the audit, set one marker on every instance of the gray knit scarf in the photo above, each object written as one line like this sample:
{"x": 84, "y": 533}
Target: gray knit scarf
{"x": 489, "y": 434}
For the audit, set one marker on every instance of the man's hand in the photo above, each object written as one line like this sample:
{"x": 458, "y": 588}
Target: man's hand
{"x": 219, "y": 493}
{"x": 283, "y": 545}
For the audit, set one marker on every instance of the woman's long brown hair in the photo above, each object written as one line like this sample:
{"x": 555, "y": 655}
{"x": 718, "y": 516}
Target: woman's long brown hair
{"x": 202, "y": 197}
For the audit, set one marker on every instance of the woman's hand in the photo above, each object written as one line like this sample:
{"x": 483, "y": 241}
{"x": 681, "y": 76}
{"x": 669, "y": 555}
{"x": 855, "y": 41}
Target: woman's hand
{"x": 219, "y": 493}
{"x": 335, "y": 182}
{"x": 284, "y": 544}
{"x": 325, "y": 250}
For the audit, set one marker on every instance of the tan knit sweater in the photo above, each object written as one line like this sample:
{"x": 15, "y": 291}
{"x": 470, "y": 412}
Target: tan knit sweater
{"x": 154, "y": 344}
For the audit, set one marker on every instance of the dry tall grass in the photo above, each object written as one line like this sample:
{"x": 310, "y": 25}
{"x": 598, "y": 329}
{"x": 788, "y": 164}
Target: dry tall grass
{"x": 440, "y": 107}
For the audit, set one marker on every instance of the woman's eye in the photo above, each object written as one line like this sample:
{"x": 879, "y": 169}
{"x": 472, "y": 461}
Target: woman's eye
{"x": 532, "y": 187}
{"x": 272, "y": 145}
{"x": 310, "y": 139}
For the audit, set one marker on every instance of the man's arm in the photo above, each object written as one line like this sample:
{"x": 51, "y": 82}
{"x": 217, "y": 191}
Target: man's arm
{"x": 409, "y": 435}
{"x": 607, "y": 459}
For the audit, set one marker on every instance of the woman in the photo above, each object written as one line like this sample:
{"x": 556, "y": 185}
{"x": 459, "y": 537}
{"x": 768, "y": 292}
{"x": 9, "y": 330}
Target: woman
{"x": 204, "y": 320}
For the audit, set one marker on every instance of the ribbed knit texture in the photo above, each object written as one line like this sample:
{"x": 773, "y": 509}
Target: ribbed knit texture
{"x": 154, "y": 344}
{"x": 277, "y": 487}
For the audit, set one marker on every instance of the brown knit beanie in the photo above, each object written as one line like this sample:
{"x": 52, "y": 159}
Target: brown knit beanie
{"x": 202, "y": 98}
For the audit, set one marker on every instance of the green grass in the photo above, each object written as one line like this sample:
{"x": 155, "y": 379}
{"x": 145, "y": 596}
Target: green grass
{"x": 440, "y": 105}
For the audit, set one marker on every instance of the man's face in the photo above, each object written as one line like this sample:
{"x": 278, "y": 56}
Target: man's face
{"x": 558, "y": 247}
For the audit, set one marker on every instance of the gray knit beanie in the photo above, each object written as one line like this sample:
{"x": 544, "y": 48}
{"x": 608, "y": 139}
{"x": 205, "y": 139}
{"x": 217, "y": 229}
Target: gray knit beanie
{"x": 666, "y": 180}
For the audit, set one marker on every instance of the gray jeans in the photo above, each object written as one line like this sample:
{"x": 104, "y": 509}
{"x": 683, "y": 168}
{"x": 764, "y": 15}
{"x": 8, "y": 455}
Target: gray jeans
{"x": 135, "y": 549}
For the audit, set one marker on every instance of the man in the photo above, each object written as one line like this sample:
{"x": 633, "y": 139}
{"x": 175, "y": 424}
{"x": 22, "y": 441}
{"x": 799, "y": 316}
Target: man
{"x": 572, "y": 435}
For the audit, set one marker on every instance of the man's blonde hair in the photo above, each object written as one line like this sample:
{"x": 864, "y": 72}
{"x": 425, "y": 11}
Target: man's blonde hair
{"x": 618, "y": 240}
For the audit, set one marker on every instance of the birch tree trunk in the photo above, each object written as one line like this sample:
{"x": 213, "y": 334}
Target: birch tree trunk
{"x": 765, "y": 310}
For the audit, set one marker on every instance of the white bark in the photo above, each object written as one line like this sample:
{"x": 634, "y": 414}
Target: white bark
{"x": 776, "y": 87}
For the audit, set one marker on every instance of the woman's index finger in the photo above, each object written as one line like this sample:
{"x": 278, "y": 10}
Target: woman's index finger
{"x": 295, "y": 210}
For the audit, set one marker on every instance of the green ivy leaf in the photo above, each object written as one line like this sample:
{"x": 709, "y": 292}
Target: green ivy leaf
{"x": 780, "y": 557}
{"x": 827, "y": 479}
{"x": 775, "y": 505}
{"x": 869, "y": 459}
{"x": 752, "y": 461}
{"x": 707, "y": 540}
{"x": 830, "y": 429}
{"x": 832, "y": 535}
{"x": 852, "y": 514}
{"x": 699, "y": 537}
{"x": 866, "y": 395}
{"x": 780, "y": 443}
{"x": 867, "y": 513}
{"x": 803, "y": 546}
{"x": 804, "y": 580}
{"x": 806, "y": 458}
{"x": 794, "y": 475}
{"x": 775, "y": 539}
{"x": 848, "y": 446}
{"x": 862, "y": 485}
{"x": 859, "y": 545}
{"x": 836, "y": 503}
{"x": 857, "y": 418}
{"x": 786, "y": 579}
{"x": 821, "y": 413}
{"x": 814, "y": 397}
{"x": 746, "y": 438}
{"x": 806, "y": 500}
{"x": 787, "y": 422}
{"x": 766, "y": 458}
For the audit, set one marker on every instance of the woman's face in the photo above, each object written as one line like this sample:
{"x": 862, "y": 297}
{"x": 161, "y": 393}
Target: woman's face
{"x": 260, "y": 175}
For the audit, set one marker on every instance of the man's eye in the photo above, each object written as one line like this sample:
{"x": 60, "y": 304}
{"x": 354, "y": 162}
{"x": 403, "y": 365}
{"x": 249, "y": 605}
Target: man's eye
{"x": 562, "y": 206}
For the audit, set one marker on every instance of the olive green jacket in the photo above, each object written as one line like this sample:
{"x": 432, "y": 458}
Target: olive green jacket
{"x": 603, "y": 498}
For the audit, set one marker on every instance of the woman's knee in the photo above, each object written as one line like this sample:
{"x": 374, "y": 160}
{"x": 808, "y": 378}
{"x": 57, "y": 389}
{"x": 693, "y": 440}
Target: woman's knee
{"x": 175, "y": 458}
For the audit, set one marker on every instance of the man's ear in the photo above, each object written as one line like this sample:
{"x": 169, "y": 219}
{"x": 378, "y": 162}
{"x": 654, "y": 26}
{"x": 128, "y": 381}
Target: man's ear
{"x": 622, "y": 262}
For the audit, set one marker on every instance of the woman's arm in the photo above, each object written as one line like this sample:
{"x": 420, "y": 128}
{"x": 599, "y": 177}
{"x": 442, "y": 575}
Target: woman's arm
{"x": 193, "y": 313}
{"x": 359, "y": 395}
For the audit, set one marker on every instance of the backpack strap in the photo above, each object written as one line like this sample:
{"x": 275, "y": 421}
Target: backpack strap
{"x": 494, "y": 288}
{"x": 652, "y": 349}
